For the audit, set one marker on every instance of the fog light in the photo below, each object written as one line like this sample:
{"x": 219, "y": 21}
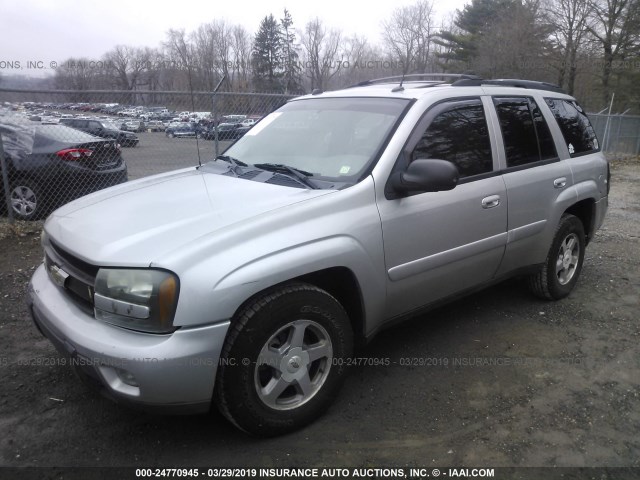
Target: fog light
{"x": 127, "y": 377}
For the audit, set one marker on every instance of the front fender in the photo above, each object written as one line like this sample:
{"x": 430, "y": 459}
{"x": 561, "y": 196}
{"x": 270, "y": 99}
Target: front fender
{"x": 287, "y": 264}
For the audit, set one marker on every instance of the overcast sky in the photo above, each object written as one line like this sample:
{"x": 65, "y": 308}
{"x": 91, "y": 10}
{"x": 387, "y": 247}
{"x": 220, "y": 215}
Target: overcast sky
{"x": 49, "y": 31}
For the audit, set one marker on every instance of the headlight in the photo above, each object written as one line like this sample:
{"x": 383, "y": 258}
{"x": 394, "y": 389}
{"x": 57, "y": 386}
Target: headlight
{"x": 138, "y": 299}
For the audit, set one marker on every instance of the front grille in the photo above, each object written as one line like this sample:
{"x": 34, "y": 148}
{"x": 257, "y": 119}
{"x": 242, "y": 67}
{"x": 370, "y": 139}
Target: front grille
{"x": 88, "y": 271}
{"x": 79, "y": 285}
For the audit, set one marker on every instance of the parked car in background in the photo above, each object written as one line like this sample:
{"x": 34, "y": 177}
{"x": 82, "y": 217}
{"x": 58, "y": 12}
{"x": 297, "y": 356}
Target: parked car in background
{"x": 102, "y": 128}
{"x": 153, "y": 113}
{"x": 133, "y": 126}
{"x": 155, "y": 126}
{"x": 183, "y": 129}
{"x": 233, "y": 118}
{"x": 249, "y": 122}
{"x": 225, "y": 131}
{"x": 198, "y": 116}
{"x": 54, "y": 164}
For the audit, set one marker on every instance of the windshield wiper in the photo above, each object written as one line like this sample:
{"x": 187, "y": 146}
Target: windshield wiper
{"x": 235, "y": 163}
{"x": 300, "y": 175}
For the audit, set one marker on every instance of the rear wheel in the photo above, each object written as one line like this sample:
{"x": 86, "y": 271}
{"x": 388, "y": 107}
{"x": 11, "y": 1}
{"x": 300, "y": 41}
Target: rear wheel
{"x": 561, "y": 270}
{"x": 283, "y": 360}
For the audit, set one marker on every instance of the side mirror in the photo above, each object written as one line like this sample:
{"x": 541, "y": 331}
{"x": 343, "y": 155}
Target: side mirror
{"x": 426, "y": 176}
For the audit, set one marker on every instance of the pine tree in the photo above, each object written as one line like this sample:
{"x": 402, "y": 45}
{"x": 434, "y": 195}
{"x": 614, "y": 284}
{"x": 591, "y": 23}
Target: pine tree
{"x": 472, "y": 22}
{"x": 292, "y": 76}
{"x": 267, "y": 56}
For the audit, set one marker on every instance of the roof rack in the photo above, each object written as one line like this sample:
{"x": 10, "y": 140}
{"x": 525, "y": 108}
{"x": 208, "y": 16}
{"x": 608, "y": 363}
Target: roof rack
{"x": 508, "y": 82}
{"x": 461, "y": 80}
{"x": 416, "y": 76}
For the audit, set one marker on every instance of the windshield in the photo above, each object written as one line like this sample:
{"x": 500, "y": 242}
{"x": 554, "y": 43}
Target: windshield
{"x": 331, "y": 138}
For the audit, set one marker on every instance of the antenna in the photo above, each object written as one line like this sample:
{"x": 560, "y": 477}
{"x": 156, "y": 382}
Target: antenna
{"x": 399, "y": 88}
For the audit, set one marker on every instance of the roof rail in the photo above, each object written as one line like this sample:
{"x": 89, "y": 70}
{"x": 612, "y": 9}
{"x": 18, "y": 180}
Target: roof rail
{"x": 509, "y": 82}
{"x": 416, "y": 76}
{"x": 463, "y": 80}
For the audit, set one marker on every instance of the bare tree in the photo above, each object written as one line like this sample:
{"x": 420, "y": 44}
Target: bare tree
{"x": 616, "y": 29}
{"x": 212, "y": 53}
{"x": 571, "y": 21}
{"x": 241, "y": 57}
{"x": 361, "y": 61}
{"x": 80, "y": 74}
{"x": 125, "y": 65}
{"x": 323, "y": 59}
{"x": 407, "y": 35}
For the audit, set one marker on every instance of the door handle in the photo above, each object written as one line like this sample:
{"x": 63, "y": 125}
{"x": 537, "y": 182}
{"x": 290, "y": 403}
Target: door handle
{"x": 560, "y": 182}
{"x": 490, "y": 202}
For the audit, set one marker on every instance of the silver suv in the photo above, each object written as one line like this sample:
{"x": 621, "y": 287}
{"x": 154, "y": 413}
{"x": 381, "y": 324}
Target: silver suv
{"x": 247, "y": 281}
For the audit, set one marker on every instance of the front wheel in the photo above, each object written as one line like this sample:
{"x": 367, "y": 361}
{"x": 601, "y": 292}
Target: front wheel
{"x": 284, "y": 360}
{"x": 561, "y": 269}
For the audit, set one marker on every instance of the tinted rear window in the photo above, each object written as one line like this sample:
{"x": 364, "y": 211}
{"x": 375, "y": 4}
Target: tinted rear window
{"x": 525, "y": 133}
{"x": 575, "y": 126}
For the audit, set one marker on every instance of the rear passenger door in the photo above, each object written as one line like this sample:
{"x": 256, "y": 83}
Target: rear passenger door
{"x": 538, "y": 182}
{"x": 439, "y": 243}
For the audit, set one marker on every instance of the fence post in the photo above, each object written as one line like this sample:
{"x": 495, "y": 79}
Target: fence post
{"x": 5, "y": 182}
{"x": 607, "y": 131}
{"x": 214, "y": 113}
{"x": 620, "y": 118}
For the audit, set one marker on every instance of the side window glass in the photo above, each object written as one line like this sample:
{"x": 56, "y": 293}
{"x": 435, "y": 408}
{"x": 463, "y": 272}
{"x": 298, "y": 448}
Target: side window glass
{"x": 525, "y": 133}
{"x": 575, "y": 126}
{"x": 460, "y": 135}
{"x": 545, "y": 140}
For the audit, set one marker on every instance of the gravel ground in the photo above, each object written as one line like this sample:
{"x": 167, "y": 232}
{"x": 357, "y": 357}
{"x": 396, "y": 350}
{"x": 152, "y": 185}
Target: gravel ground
{"x": 496, "y": 379}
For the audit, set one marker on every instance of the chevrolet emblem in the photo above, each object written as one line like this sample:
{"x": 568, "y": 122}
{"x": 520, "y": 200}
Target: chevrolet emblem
{"x": 58, "y": 275}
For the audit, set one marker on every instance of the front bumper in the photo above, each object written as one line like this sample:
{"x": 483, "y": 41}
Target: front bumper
{"x": 174, "y": 373}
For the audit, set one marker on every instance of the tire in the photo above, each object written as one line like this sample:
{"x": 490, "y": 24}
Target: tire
{"x": 26, "y": 198}
{"x": 171, "y": 135}
{"x": 266, "y": 383}
{"x": 563, "y": 265}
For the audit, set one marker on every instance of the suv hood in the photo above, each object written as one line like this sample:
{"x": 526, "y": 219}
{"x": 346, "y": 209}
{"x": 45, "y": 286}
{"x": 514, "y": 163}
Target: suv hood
{"x": 135, "y": 223}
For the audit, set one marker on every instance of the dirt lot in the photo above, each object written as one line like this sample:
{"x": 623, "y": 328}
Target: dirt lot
{"x": 497, "y": 379}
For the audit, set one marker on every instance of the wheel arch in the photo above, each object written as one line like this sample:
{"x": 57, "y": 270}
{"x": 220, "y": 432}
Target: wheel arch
{"x": 585, "y": 211}
{"x": 341, "y": 283}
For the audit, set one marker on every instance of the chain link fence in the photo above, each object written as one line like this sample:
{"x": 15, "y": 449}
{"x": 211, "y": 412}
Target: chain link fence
{"x": 60, "y": 145}
{"x": 619, "y": 134}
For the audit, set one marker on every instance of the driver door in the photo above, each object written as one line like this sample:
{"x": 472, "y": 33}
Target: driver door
{"x": 439, "y": 243}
